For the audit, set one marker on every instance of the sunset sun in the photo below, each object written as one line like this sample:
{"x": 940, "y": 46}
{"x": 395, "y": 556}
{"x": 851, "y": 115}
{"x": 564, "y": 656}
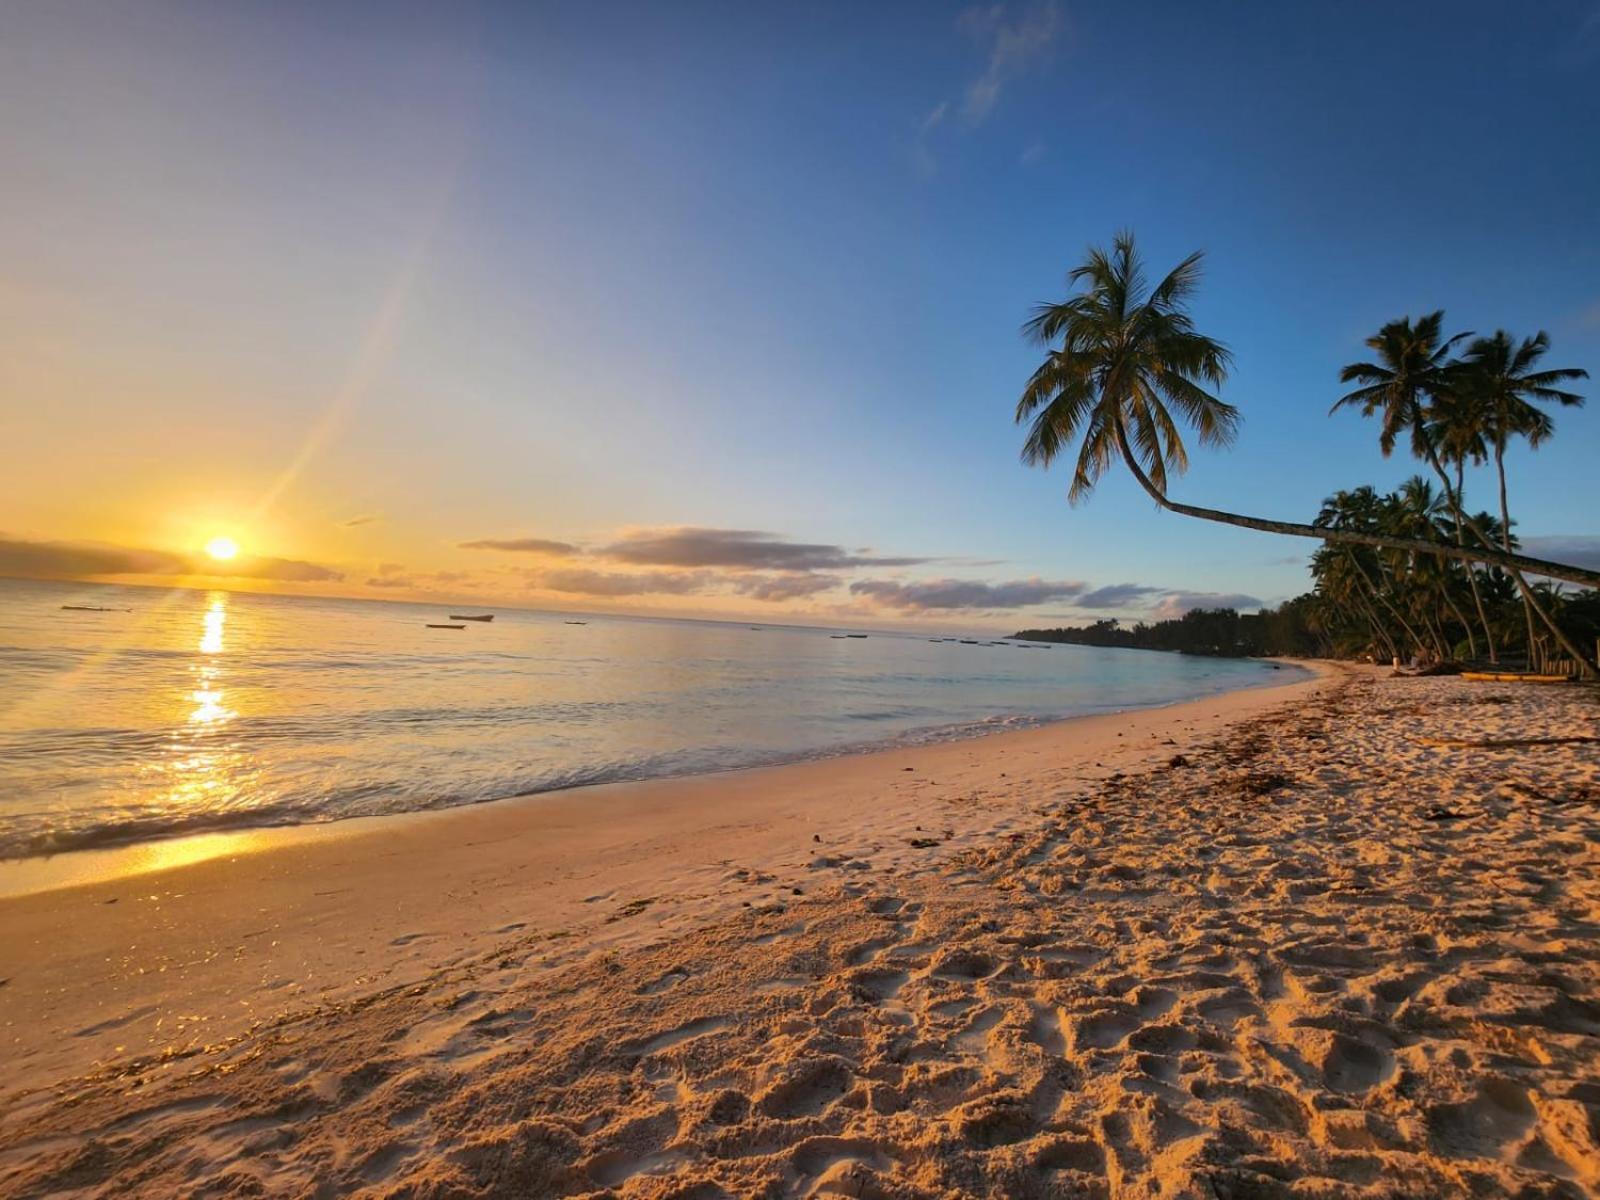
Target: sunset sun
{"x": 222, "y": 548}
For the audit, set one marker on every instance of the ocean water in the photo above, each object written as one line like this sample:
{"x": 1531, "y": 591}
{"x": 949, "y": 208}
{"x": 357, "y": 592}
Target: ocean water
{"x": 185, "y": 711}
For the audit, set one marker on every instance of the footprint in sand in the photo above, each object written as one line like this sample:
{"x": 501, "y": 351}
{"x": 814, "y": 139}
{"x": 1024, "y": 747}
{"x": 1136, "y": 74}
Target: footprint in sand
{"x": 809, "y": 1088}
{"x": 682, "y": 1033}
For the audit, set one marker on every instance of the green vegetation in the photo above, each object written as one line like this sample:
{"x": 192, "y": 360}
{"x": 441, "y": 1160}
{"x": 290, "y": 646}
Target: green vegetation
{"x": 1410, "y": 573}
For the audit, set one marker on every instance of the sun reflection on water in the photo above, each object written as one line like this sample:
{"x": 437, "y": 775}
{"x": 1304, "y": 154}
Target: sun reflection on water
{"x": 216, "y": 617}
{"x": 199, "y": 770}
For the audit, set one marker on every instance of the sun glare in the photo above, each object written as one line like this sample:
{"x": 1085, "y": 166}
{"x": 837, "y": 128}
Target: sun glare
{"x": 222, "y": 548}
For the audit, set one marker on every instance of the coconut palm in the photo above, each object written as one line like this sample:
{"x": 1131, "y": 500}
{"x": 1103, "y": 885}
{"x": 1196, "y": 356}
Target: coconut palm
{"x": 1498, "y": 384}
{"x": 1412, "y": 370}
{"x": 1456, "y": 427}
{"x": 1130, "y": 365}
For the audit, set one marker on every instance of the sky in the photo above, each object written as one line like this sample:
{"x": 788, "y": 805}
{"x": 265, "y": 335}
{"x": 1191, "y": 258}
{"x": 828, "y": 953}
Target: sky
{"x": 714, "y": 309}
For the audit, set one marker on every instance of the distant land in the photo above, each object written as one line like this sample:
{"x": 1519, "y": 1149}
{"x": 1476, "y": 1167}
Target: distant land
{"x": 1221, "y": 632}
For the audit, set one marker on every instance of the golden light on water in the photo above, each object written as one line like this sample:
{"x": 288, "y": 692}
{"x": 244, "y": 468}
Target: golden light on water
{"x": 222, "y": 548}
{"x": 215, "y": 619}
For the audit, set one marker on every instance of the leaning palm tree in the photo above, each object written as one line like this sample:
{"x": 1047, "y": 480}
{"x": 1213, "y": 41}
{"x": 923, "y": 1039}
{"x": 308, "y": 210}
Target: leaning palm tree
{"x": 1129, "y": 359}
{"x": 1498, "y": 380}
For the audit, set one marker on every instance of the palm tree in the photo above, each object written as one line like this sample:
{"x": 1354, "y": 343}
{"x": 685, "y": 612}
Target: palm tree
{"x": 1499, "y": 382}
{"x": 1412, "y": 367}
{"x": 1455, "y": 426}
{"x": 1129, "y": 357}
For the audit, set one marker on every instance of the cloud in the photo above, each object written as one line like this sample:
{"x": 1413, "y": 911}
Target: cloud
{"x": 948, "y": 594}
{"x": 777, "y": 588}
{"x": 286, "y": 570}
{"x": 527, "y": 545}
{"x": 1175, "y": 604}
{"x": 66, "y": 560}
{"x": 1013, "y": 46}
{"x": 389, "y": 581}
{"x": 1578, "y": 550}
{"x": 691, "y": 546}
{"x": 1115, "y": 595}
{"x": 580, "y": 581}
{"x": 1032, "y": 155}
{"x": 362, "y": 519}
{"x": 74, "y": 560}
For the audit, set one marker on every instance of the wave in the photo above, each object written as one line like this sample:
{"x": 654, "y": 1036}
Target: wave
{"x": 111, "y": 826}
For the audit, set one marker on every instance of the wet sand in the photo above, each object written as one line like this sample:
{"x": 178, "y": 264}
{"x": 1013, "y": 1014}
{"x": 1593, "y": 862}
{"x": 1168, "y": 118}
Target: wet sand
{"x": 1322, "y": 940}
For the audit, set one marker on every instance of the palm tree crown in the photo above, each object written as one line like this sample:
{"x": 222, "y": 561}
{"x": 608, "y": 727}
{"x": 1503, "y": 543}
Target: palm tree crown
{"x": 1413, "y": 363}
{"x": 1129, "y": 358}
{"x": 1498, "y": 374}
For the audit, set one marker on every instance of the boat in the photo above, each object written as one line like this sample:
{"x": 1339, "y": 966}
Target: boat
{"x": 969, "y": 642}
{"x": 838, "y": 637}
{"x": 855, "y": 635}
{"x": 461, "y": 617}
{"x": 446, "y": 626}
{"x": 577, "y": 622}
{"x": 90, "y": 608}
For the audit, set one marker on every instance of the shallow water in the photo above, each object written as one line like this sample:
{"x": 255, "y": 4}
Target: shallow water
{"x": 182, "y": 711}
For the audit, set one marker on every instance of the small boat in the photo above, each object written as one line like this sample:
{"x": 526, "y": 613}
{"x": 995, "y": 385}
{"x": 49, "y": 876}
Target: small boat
{"x": 838, "y": 637}
{"x": 446, "y": 626}
{"x": 970, "y": 642}
{"x": 89, "y": 608}
{"x": 461, "y": 617}
{"x": 577, "y": 622}
{"x": 855, "y": 635}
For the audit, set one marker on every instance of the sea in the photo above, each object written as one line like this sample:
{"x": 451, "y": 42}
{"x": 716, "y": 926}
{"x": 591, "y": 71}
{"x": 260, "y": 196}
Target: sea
{"x": 129, "y": 714}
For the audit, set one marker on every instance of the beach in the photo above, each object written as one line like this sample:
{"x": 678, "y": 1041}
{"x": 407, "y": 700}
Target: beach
{"x": 1340, "y": 937}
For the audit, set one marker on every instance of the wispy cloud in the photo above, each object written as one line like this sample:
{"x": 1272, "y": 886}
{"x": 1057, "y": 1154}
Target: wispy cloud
{"x": 775, "y": 589}
{"x": 963, "y": 594}
{"x": 581, "y": 581}
{"x": 1013, "y": 44}
{"x": 1116, "y": 595}
{"x": 1175, "y": 604}
{"x": 360, "y": 519}
{"x": 693, "y": 546}
{"x": 1012, "y": 41}
{"x": 525, "y": 545}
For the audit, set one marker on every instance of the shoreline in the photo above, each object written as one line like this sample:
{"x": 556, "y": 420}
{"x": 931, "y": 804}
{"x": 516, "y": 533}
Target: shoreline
{"x": 31, "y": 874}
{"x": 193, "y": 951}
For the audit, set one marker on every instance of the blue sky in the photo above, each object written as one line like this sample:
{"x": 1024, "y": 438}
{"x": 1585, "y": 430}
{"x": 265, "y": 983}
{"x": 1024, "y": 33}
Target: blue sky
{"x": 571, "y": 272}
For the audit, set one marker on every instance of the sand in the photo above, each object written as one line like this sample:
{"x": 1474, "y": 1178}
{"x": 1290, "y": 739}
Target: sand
{"x": 1332, "y": 939}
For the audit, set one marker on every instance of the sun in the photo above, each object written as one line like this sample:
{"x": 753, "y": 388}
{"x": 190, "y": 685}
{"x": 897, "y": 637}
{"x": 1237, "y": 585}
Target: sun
{"x": 222, "y": 548}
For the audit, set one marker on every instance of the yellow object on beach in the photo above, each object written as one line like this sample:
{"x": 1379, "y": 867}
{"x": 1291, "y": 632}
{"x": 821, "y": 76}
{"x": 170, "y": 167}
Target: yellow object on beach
{"x": 1512, "y": 677}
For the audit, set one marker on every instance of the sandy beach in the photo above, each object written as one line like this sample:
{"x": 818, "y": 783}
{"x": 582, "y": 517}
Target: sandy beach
{"x": 1335, "y": 938}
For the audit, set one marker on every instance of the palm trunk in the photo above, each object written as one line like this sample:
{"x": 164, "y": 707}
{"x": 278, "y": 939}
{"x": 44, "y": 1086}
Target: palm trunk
{"x": 1511, "y": 562}
{"x": 1505, "y": 533}
{"x": 1528, "y": 597}
{"x": 1377, "y": 594}
{"x": 1472, "y": 579}
{"x": 1460, "y": 616}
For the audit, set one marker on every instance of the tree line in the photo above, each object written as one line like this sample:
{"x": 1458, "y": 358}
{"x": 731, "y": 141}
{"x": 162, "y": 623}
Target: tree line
{"x": 1412, "y": 573}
